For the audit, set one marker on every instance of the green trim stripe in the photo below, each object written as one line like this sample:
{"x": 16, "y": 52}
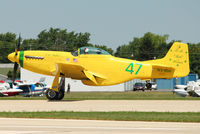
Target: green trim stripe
{"x": 21, "y": 58}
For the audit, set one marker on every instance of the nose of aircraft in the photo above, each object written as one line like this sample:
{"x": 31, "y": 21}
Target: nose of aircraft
{"x": 12, "y": 57}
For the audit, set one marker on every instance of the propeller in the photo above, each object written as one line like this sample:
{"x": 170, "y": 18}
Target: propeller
{"x": 17, "y": 46}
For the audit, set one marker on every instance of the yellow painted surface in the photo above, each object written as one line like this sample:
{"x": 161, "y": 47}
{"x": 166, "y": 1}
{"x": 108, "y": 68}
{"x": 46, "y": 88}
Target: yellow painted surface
{"x": 101, "y": 70}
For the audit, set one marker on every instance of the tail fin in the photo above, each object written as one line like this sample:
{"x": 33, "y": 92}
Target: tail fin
{"x": 177, "y": 58}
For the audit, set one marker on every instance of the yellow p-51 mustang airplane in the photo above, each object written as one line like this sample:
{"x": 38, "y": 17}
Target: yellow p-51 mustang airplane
{"x": 96, "y": 67}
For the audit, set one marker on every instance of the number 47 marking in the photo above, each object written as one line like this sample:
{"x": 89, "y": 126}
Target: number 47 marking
{"x": 130, "y": 68}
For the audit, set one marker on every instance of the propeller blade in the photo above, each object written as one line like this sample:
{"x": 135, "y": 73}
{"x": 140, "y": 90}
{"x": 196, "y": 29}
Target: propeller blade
{"x": 15, "y": 71}
{"x": 17, "y": 45}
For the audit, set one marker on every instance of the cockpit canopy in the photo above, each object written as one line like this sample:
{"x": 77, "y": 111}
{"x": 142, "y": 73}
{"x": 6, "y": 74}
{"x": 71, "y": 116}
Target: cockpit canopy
{"x": 93, "y": 50}
{"x": 90, "y": 50}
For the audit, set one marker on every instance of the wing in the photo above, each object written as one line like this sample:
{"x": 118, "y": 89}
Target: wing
{"x": 76, "y": 71}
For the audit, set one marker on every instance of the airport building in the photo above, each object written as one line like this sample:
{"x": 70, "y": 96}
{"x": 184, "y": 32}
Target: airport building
{"x": 163, "y": 84}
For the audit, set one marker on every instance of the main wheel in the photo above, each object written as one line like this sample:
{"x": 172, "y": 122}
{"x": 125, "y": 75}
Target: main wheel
{"x": 51, "y": 94}
{"x": 61, "y": 95}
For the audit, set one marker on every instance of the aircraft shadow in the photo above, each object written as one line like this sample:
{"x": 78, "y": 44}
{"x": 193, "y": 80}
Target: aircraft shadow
{"x": 63, "y": 100}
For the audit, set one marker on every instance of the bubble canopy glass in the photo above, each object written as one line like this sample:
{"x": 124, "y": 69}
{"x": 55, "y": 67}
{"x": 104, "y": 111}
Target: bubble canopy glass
{"x": 93, "y": 50}
{"x": 90, "y": 50}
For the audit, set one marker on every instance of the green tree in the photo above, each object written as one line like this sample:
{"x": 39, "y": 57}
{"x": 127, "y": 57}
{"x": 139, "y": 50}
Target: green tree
{"x": 144, "y": 48}
{"x": 8, "y": 37}
{"x": 31, "y": 44}
{"x": 124, "y": 52}
{"x": 194, "y": 56}
{"x": 7, "y": 43}
{"x": 57, "y": 39}
{"x": 152, "y": 45}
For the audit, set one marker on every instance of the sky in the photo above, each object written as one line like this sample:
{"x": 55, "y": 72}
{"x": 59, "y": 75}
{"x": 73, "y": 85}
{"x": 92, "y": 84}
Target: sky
{"x": 110, "y": 22}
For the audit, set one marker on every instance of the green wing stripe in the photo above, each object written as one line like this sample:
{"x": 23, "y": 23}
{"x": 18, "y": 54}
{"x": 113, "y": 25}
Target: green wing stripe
{"x": 21, "y": 58}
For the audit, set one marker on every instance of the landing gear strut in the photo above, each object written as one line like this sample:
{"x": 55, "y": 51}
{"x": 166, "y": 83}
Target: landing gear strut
{"x": 53, "y": 95}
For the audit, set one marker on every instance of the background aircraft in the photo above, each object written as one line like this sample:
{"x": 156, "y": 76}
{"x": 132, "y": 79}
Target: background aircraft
{"x": 191, "y": 89}
{"x": 26, "y": 89}
{"x": 30, "y": 88}
{"x": 96, "y": 67}
{"x": 5, "y": 90}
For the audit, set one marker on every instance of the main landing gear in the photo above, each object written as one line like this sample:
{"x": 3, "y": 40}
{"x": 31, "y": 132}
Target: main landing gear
{"x": 53, "y": 95}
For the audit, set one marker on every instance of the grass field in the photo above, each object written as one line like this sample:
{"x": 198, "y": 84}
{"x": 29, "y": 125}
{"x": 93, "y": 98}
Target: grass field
{"x": 119, "y": 116}
{"x": 148, "y": 95}
{"x": 4, "y": 71}
{"x": 153, "y": 95}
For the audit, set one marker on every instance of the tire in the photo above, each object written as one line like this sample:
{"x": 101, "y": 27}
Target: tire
{"x": 61, "y": 95}
{"x": 51, "y": 94}
{"x": 148, "y": 85}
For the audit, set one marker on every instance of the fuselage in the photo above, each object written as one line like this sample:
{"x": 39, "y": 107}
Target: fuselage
{"x": 114, "y": 70}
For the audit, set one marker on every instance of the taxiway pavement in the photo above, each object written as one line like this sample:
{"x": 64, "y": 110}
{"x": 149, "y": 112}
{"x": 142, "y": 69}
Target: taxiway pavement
{"x": 61, "y": 126}
{"x": 101, "y": 105}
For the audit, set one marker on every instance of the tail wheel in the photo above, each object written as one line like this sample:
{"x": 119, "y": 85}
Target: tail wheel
{"x": 149, "y": 86}
{"x": 51, "y": 94}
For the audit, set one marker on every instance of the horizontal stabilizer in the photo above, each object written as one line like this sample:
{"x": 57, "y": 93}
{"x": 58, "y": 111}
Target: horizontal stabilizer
{"x": 159, "y": 71}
